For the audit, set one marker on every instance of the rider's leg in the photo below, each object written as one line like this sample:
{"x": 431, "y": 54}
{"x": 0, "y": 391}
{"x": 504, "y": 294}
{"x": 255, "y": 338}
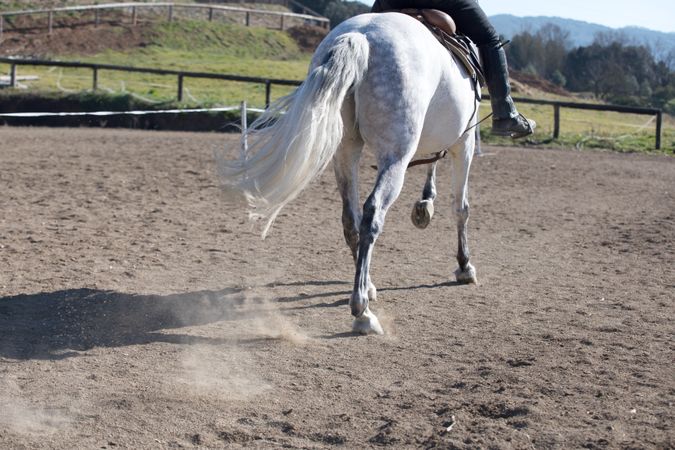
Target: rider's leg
{"x": 506, "y": 120}
{"x": 472, "y": 21}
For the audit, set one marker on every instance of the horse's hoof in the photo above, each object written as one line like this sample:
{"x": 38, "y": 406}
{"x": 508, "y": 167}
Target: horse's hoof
{"x": 422, "y": 213}
{"x": 466, "y": 276}
{"x": 367, "y": 323}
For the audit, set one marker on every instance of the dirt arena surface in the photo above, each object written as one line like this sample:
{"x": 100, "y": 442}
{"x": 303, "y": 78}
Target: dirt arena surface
{"x": 138, "y": 310}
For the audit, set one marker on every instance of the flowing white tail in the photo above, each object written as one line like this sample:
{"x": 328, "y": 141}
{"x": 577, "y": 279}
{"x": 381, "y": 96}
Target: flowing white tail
{"x": 295, "y": 139}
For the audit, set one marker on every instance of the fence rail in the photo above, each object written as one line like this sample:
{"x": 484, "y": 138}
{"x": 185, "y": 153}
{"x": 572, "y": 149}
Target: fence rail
{"x": 557, "y": 106}
{"x": 179, "y": 74}
{"x": 134, "y": 7}
{"x": 268, "y": 82}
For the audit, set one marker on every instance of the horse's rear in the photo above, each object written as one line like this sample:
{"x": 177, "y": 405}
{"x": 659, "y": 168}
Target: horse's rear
{"x": 413, "y": 93}
{"x": 378, "y": 80}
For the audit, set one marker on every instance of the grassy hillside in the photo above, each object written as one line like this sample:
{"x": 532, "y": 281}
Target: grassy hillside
{"x": 232, "y": 40}
{"x": 198, "y": 46}
{"x": 14, "y": 5}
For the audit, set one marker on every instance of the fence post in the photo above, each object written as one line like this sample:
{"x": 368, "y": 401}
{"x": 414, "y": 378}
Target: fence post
{"x": 244, "y": 130}
{"x": 170, "y": 13}
{"x": 556, "y": 121}
{"x": 2, "y": 20}
{"x": 95, "y": 78}
{"x": 248, "y": 18}
{"x": 268, "y": 93}
{"x": 12, "y": 76}
{"x": 97, "y": 17}
{"x": 51, "y": 21}
{"x": 659, "y": 123}
{"x": 282, "y": 22}
{"x": 210, "y": 14}
{"x": 180, "y": 88}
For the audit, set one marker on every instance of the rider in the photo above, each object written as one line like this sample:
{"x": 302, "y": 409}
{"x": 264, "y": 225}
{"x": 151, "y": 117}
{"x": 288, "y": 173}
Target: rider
{"x": 474, "y": 23}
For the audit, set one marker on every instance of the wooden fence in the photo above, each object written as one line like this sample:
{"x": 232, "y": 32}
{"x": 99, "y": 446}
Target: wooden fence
{"x": 290, "y": 4}
{"x": 170, "y": 8}
{"x": 179, "y": 74}
{"x": 595, "y": 107}
{"x": 268, "y": 82}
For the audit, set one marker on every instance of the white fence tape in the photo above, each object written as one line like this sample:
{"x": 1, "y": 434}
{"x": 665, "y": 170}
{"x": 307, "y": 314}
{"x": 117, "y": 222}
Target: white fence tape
{"x": 130, "y": 113}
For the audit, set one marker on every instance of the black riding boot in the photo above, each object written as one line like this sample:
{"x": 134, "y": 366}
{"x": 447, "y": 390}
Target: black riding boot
{"x": 506, "y": 121}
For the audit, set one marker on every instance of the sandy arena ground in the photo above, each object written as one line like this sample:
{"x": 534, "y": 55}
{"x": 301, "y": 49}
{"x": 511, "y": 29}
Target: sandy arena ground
{"x": 138, "y": 310}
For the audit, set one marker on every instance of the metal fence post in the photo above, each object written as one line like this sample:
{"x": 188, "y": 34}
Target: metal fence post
{"x": 170, "y": 13}
{"x": 556, "y": 121}
{"x": 282, "y": 22}
{"x": 133, "y": 15}
{"x": 2, "y": 23}
{"x": 248, "y": 18}
{"x": 12, "y": 76}
{"x": 268, "y": 93}
{"x": 659, "y": 123}
{"x": 51, "y": 21}
{"x": 95, "y": 78}
{"x": 97, "y": 17}
{"x": 180, "y": 88}
{"x": 210, "y": 14}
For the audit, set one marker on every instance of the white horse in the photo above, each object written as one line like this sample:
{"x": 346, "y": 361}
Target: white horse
{"x": 381, "y": 80}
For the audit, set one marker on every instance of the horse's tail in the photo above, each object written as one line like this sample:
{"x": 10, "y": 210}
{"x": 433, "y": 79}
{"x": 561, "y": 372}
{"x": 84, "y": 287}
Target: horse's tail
{"x": 295, "y": 139}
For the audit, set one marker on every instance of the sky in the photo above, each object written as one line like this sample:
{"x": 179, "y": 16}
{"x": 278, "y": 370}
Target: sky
{"x": 653, "y": 14}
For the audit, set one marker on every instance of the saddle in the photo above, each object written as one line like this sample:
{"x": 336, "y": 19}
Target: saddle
{"x": 443, "y": 27}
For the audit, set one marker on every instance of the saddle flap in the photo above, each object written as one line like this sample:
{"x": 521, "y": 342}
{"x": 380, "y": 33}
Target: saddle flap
{"x": 434, "y": 17}
{"x": 440, "y": 20}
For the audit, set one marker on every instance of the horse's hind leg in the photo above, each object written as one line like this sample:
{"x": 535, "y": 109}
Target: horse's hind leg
{"x": 345, "y": 163}
{"x": 346, "y": 166}
{"x": 462, "y": 155}
{"x": 423, "y": 210}
{"x": 387, "y": 188}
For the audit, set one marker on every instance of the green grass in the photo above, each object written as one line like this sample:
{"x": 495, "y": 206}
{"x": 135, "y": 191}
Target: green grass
{"x": 233, "y": 40}
{"x": 195, "y": 46}
{"x": 590, "y": 129}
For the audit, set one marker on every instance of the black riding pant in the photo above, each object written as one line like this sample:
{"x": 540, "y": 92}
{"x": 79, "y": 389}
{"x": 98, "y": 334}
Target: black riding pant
{"x": 469, "y": 17}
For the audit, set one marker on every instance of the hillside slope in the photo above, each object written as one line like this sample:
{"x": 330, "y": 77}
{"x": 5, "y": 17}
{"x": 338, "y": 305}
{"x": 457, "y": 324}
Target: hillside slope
{"x": 86, "y": 39}
{"x": 582, "y": 33}
{"x": 191, "y": 45}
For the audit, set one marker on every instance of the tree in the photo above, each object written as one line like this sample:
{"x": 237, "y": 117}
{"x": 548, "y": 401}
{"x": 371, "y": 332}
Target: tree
{"x": 559, "y": 79}
{"x": 336, "y": 10}
{"x": 542, "y": 53}
{"x": 316, "y": 5}
{"x": 670, "y": 59}
{"x": 620, "y": 74}
{"x": 607, "y": 38}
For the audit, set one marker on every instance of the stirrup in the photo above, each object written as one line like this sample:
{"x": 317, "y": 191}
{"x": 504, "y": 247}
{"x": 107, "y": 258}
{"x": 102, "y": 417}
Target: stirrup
{"x": 519, "y": 120}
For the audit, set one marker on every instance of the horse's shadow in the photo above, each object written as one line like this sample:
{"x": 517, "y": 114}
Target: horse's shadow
{"x": 344, "y": 294}
{"x": 57, "y": 325}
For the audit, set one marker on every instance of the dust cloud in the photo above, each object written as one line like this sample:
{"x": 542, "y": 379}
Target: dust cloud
{"x": 21, "y": 417}
{"x": 222, "y": 361}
